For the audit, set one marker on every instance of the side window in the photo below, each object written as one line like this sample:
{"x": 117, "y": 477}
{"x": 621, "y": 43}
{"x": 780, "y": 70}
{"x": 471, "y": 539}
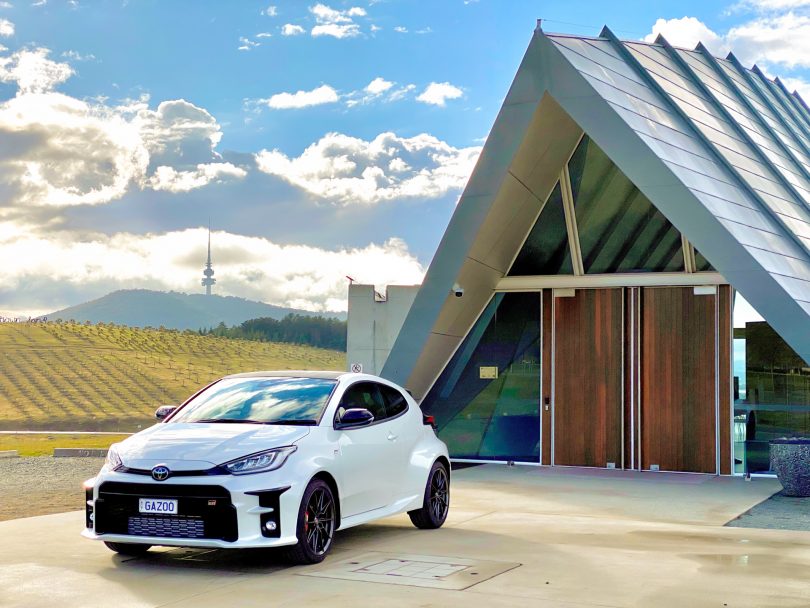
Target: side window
{"x": 365, "y": 395}
{"x": 395, "y": 402}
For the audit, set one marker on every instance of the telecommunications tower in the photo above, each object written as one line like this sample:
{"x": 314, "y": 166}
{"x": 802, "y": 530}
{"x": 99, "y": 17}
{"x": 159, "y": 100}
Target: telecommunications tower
{"x": 208, "y": 279}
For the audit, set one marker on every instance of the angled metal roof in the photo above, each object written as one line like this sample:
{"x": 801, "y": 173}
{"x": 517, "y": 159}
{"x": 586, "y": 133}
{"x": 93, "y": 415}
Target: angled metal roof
{"x": 722, "y": 151}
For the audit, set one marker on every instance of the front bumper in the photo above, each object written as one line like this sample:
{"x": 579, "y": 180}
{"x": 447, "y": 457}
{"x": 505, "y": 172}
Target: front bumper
{"x": 224, "y": 511}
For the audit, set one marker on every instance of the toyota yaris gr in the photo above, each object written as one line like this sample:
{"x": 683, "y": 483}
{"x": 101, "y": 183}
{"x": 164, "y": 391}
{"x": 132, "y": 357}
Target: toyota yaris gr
{"x": 272, "y": 459}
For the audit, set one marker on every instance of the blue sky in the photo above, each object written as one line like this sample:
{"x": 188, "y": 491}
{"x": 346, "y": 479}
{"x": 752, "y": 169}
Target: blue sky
{"x": 322, "y": 139}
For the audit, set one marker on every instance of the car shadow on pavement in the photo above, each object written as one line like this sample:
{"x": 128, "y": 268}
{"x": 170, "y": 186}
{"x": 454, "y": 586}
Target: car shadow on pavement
{"x": 256, "y": 561}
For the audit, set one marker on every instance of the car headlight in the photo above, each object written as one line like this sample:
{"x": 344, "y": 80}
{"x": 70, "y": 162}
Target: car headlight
{"x": 113, "y": 461}
{"x": 269, "y": 460}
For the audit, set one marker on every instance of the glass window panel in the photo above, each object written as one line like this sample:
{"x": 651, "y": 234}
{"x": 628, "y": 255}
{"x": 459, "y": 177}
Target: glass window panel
{"x": 771, "y": 390}
{"x": 546, "y": 248}
{"x": 619, "y": 229}
{"x": 487, "y": 400}
{"x": 701, "y": 263}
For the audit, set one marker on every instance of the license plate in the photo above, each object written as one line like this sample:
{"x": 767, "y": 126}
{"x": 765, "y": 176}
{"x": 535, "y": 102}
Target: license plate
{"x": 163, "y": 506}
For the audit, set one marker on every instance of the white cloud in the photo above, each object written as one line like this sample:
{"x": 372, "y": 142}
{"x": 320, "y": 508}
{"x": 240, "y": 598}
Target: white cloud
{"x": 246, "y": 44}
{"x": 171, "y": 180}
{"x": 6, "y": 28}
{"x": 780, "y": 39}
{"x": 401, "y": 29}
{"x": 178, "y": 132}
{"x": 76, "y": 56}
{"x": 67, "y": 152}
{"x": 378, "y": 86}
{"x": 377, "y": 89}
{"x": 6, "y": 5}
{"x": 264, "y": 35}
{"x": 775, "y": 39}
{"x": 437, "y": 93}
{"x": 33, "y": 71}
{"x": 349, "y": 170}
{"x": 288, "y": 275}
{"x": 270, "y": 11}
{"x": 336, "y": 30}
{"x": 288, "y": 29}
{"x": 687, "y": 32}
{"x": 798, "y": 84}
{"x": 770, "y": 5}
{"x": 59, "y": 151}
{"x": 401, "y": 92}
{"x": 302, "y": 99}
{"x": 326, "y": 14}
{"x": 336, "y": 23}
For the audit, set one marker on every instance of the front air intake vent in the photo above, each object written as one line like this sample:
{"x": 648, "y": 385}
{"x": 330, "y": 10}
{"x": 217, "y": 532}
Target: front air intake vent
{"x": 166, "y": 527}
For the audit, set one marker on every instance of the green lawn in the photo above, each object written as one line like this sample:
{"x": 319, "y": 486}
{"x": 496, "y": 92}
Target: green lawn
{"x": 43, "y": 445}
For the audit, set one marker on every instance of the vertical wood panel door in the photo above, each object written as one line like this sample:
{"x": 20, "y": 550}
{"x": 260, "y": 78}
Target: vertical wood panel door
{"x": 678, "y": 379}
{"x": 588, "y": 378}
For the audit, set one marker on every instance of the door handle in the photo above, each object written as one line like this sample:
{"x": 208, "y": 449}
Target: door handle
{"x": 392, "y": 437}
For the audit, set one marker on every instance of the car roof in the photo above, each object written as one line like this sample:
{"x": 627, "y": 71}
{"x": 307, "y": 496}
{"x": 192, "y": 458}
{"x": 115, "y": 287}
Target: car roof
{"x": 308, "y": 373}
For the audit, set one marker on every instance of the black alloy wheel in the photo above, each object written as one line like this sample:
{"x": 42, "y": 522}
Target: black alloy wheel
{"x": 316, "y": 524}
{"x": 436, "y": 503}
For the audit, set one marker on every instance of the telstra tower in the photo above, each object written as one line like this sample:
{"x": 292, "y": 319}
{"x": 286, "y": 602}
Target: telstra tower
{"x": 209, "y": 279}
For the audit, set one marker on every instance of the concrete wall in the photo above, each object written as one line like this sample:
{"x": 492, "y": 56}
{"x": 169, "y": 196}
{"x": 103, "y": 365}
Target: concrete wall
{"x": 374, "y": 323}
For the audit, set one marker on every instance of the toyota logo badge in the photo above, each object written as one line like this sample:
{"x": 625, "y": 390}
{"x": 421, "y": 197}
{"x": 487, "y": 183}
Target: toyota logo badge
{"x": 160, "y": 472}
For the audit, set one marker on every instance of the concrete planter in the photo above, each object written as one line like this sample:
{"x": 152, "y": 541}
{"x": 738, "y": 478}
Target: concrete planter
{"x": 790, "y": 458}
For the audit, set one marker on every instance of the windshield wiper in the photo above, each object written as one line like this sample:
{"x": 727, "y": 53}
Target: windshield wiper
{"x": 230, "y": 420}
{"x": 304, "y": 422}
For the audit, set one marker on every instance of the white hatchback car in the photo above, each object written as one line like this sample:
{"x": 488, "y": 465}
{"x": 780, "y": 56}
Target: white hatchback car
{"x": 272, "y": 459}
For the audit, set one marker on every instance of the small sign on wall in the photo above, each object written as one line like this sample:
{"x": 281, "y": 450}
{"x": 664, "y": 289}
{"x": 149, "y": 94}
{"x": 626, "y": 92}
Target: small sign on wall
{"x": 356, "y": 368}
{"x": 486, "y": 372}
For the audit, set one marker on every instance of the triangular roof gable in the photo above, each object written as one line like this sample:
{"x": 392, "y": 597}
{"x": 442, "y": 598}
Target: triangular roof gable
{"x": 728, "y": 170}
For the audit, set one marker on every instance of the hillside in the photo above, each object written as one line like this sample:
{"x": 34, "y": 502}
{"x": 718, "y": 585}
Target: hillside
{"x": 94, "y": 377}
{"x": 146, "y": 308}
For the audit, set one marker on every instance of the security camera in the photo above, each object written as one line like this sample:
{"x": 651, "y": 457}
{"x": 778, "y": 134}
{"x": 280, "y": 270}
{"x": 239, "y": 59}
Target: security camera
{"x": 458, "y": 290}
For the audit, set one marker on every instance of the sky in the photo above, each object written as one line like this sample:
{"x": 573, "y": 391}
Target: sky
{"x": 319, "y": 140}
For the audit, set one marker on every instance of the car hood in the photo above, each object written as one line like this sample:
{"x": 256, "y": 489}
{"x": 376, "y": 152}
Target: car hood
{"x": 191, "y": 445}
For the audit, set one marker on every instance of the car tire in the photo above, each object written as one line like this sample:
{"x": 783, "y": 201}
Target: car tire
{"x": 436, "y": 503}
{"x": 133, "y": 549}
{"x": 316, "y": 525}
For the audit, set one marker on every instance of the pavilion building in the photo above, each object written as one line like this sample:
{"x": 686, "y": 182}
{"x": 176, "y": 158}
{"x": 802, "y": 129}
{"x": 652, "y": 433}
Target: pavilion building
{"x": 580, "y": 309}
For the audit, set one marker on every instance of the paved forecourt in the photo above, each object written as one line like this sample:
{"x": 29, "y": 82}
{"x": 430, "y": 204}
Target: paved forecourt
{"x": 515, "y": 537}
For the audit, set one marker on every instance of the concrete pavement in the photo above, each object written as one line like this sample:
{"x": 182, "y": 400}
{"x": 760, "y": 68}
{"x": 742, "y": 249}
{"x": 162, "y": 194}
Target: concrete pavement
{"x": 581, "y": 538}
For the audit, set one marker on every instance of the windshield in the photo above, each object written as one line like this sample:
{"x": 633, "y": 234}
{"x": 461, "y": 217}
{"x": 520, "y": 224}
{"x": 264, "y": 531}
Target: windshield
{"x": 260, "y": 401}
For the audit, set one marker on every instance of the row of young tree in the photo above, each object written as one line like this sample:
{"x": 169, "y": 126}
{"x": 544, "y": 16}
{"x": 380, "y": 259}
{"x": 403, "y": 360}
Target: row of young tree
{"x": 321, "y": 332}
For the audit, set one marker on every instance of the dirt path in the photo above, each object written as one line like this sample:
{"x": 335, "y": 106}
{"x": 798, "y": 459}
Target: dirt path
{"x": 43, "y": 485}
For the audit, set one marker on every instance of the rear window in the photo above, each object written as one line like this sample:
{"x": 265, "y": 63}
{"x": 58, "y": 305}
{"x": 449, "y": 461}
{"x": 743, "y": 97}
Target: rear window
{"x": 395, "y": 402}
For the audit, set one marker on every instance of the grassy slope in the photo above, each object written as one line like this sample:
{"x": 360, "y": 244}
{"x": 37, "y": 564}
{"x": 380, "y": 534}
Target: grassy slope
{"x": 89, "y": 377}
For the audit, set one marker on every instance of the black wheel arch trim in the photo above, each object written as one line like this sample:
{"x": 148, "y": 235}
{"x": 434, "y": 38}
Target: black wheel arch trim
{"x": 330, "y": 480}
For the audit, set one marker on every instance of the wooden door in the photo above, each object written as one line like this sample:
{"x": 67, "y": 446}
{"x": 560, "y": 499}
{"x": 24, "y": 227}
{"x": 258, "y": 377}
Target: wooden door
{"x": 588, "y": 370}
{"x": 678, "y": 380}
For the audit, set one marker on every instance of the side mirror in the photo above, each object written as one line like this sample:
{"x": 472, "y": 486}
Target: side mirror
{"x": 353, "y": 418}
{"x": 164, "y": 411}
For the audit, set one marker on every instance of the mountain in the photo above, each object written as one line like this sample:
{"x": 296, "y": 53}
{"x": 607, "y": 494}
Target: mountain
{"x": 146, "y": 308}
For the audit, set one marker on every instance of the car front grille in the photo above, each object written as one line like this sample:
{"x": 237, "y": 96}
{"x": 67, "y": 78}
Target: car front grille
{"x": 166, "y": 526}
{"x": 204, "y": 512}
